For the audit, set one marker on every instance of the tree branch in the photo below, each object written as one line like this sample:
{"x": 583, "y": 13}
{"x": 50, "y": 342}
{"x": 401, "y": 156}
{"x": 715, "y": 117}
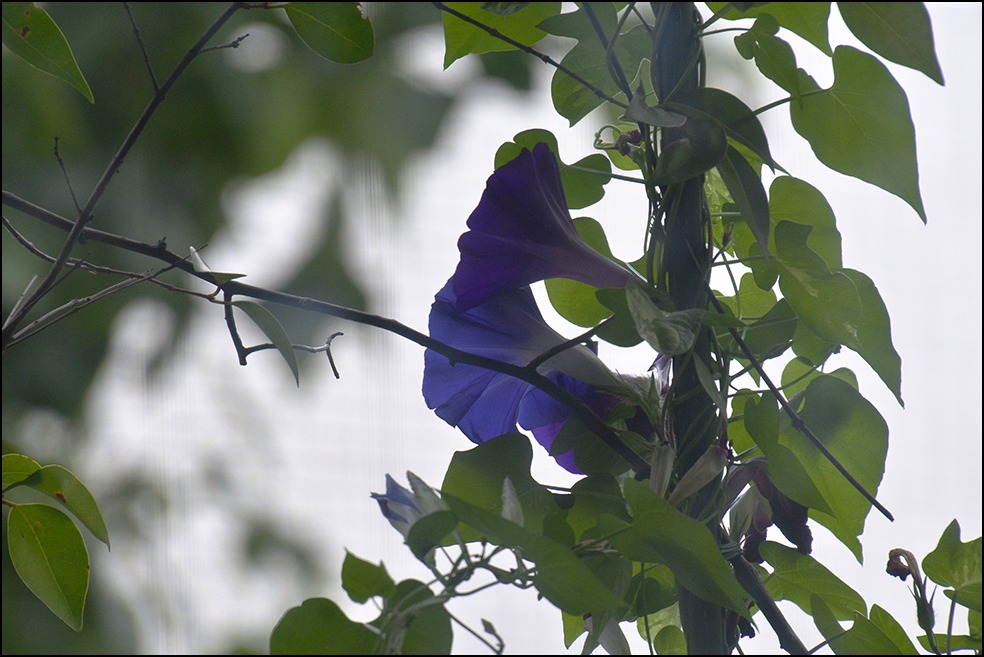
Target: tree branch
{"x": 85, "y": 214}
{"x": 235, "y": 287}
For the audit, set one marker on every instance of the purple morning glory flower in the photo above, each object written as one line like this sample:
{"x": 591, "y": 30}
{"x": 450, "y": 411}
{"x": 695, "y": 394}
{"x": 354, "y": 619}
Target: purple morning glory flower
{"x": 486, "y": 404}
{"x": 522, "y": 232}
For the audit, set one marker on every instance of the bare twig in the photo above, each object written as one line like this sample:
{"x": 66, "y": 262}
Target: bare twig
{"x": 64, "y": 311}
{"x": 68, "y": 182}
{"x": 140, "y": 44}
{"x": 233, "y": 288}
{"x": 85, "y": 214}
{"x": 235, "y": 43}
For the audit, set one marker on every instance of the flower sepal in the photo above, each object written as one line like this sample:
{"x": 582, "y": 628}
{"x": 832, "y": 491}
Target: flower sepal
{"x": 419, "y": 514}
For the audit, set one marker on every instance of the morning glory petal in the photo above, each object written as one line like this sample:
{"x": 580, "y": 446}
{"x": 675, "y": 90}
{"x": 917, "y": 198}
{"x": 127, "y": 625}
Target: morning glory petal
{"x": 521, "y": 232}
{"x": 509, "y": 328}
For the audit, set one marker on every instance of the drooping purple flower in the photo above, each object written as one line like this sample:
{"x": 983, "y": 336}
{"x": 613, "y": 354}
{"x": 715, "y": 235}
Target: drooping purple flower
{"x": 789, "y": 516}
{"x": 521, "y": 232}
{"x": 485, "y": 404}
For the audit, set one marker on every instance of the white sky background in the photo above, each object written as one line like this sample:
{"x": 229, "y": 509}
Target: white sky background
{"x": 309, "y": 457}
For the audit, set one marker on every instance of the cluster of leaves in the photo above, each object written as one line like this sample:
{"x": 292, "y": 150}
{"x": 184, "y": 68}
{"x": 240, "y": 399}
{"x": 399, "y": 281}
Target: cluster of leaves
{"x": 45, "y": 545}
{"x": 76, "y": 106}
{"x": 611, "y": 548}
{"x": 602, "y": 552}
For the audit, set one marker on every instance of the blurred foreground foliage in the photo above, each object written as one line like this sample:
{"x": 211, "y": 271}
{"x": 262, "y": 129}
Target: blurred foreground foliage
{"x": 236, "y": 114}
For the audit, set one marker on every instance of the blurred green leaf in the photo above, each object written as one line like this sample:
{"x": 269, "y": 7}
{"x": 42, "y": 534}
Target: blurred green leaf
{"x": 31, "y": 34}
{"x": 957, "y": 565}
{"x": 363, "y": 580}
{"x": 462, "y": 38}
{"x": 17, "y": 468}
{"x": 335, "y": 30}
{"x": 320, "y": 627}
{"x": 898, "y": 31}
{"x": 49, "y": 554}
{"x": 861, "y": 125}
{"x": 268, "y": 323}
{"x": 797, "y": 577}
{"x": 63, "y": 486}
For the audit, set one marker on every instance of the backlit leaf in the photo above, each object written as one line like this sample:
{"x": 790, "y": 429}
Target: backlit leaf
{"x": 796, "y": 577}
{"x": 17, "y": 468}
{"x": 64, "y": 487}
{"x": 335, "y": 30}
{"x": 898, "y": 31}
{"x": 957, "y": 565}
{"x": 363, "y": 580}
{"x": 578, "y": 302}
{"x": 826, "y": 301}
{"x": 875, "y": 334}
{"x": 462, "y": 38}
{"x": 807, "y": 19}
{"x": 851, "y": 428}
{"x": 271, "y": 327}
{"x": 668, "y": 333}
{"x": 861, "y": 125}
{"x": 320, "y": 627}
{"x": 583, "y": 181}
{"x": 661, "y": 534}
{"x": 48, "y": 553}
{"x": 745, "y": 187}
